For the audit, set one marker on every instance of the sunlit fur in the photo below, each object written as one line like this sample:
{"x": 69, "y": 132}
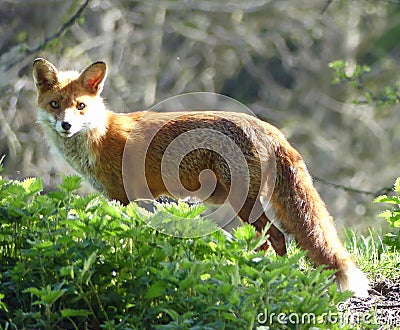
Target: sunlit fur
{"x": 94, "y": 146}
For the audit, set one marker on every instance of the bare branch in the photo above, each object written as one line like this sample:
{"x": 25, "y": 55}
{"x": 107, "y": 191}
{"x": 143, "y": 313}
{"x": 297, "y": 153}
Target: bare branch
{"x": 326, "y": 6}
{"x": 381, "y": 191}
{"x": 62, "y": 29}
{"x": 20, "y": 52}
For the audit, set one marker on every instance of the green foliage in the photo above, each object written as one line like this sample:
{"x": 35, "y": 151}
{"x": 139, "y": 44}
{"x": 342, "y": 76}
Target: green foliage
{"x": 72, "y": 262}
{"x": 342, "y": 73}
{"x": 177, "y": 219}
{"x": 392, "y": 215}
{"x": 388, "y": 95}
{"x": 372, "y": 255}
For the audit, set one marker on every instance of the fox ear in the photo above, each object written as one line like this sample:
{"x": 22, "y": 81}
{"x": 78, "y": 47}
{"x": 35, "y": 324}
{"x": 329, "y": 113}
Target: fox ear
{"x": 44, "y": 74}
{"x": 93, "y": 77}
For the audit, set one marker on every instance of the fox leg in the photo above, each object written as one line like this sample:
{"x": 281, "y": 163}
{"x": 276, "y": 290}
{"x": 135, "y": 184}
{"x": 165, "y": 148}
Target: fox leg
{"x": 276, "y": 238}
{"x": 246, "y": 211}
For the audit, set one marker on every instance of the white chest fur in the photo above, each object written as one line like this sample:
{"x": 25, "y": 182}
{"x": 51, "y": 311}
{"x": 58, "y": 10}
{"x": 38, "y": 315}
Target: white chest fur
{"x": 76, "y": 152}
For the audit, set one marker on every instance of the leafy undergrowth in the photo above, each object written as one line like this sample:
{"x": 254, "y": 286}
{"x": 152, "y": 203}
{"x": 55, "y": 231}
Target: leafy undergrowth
{"x": 72, "y": 262}
{"x": 381, "y": 262}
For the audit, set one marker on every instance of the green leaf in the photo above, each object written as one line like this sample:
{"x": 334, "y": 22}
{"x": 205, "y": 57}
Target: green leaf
{"x": 134, "y": 211}
{"x": 387, "y": 199}
{"x": 88, "y": 263}
{"x": 32, "y": 185}
{"x": 67, "y": 271}
{"x": 52, "y": 296}
{"x": 57, "y": 195}
{"x": 395, "y": 222}
{"x": 235, "y": 276}
{"x": 174, "y": 315}
{"x": 246, "y": 233}
{"x": 338, "y": 64}
{"x": 397, "y": 185}
{"x": 112, "y": 211}
{"x": 70, "y": 183}
{"x": 390, "y": 214}
{"x": 3, "y": 306}
{"x": 75, "y": 312}
{"x": 156, "y": 290}
{"x": 34, "y": 291}
{"x": 47, "y": 295}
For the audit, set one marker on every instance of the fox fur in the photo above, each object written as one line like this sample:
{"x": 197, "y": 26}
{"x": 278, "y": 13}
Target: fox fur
{"x": 92, "y": 139}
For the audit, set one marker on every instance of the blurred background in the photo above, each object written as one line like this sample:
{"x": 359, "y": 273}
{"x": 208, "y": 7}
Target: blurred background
{"x": 272, "y": 55}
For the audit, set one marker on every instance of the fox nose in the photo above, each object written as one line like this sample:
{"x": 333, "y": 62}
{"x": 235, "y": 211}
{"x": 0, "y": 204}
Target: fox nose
{"x": 66, "y": 125}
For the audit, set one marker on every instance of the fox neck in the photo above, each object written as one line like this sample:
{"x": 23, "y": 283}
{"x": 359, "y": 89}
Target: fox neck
{"x": 78, "y": 150}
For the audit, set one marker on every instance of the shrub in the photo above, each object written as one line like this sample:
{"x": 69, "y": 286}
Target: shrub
{"x": 73, "y": 262}
{"x": 392, "y": 216}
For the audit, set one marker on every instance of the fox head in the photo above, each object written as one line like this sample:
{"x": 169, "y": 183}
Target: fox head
{"x": 69, "y": 101}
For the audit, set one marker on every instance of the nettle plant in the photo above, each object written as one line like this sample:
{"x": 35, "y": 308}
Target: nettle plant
{"x": 73, "y": 262}
{"x": 392, "y": 215}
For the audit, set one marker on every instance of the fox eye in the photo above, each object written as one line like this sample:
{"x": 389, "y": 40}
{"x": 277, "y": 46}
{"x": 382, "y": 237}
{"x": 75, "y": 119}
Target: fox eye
{"x": 81, "y": 106}
{"x": 54, "y": 104}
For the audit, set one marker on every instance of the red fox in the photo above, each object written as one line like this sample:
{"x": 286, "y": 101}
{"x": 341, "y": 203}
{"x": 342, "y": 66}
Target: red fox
{"x": 92, "y": 140}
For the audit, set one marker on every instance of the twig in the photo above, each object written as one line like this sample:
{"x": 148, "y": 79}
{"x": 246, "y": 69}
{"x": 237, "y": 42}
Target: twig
{"x": 326, "y": 6}
{"x": 360, "y": 86}
{"x": 62, "y": 29}
{"x": 29, "y": 51}
{"x": 377, "y": 193}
